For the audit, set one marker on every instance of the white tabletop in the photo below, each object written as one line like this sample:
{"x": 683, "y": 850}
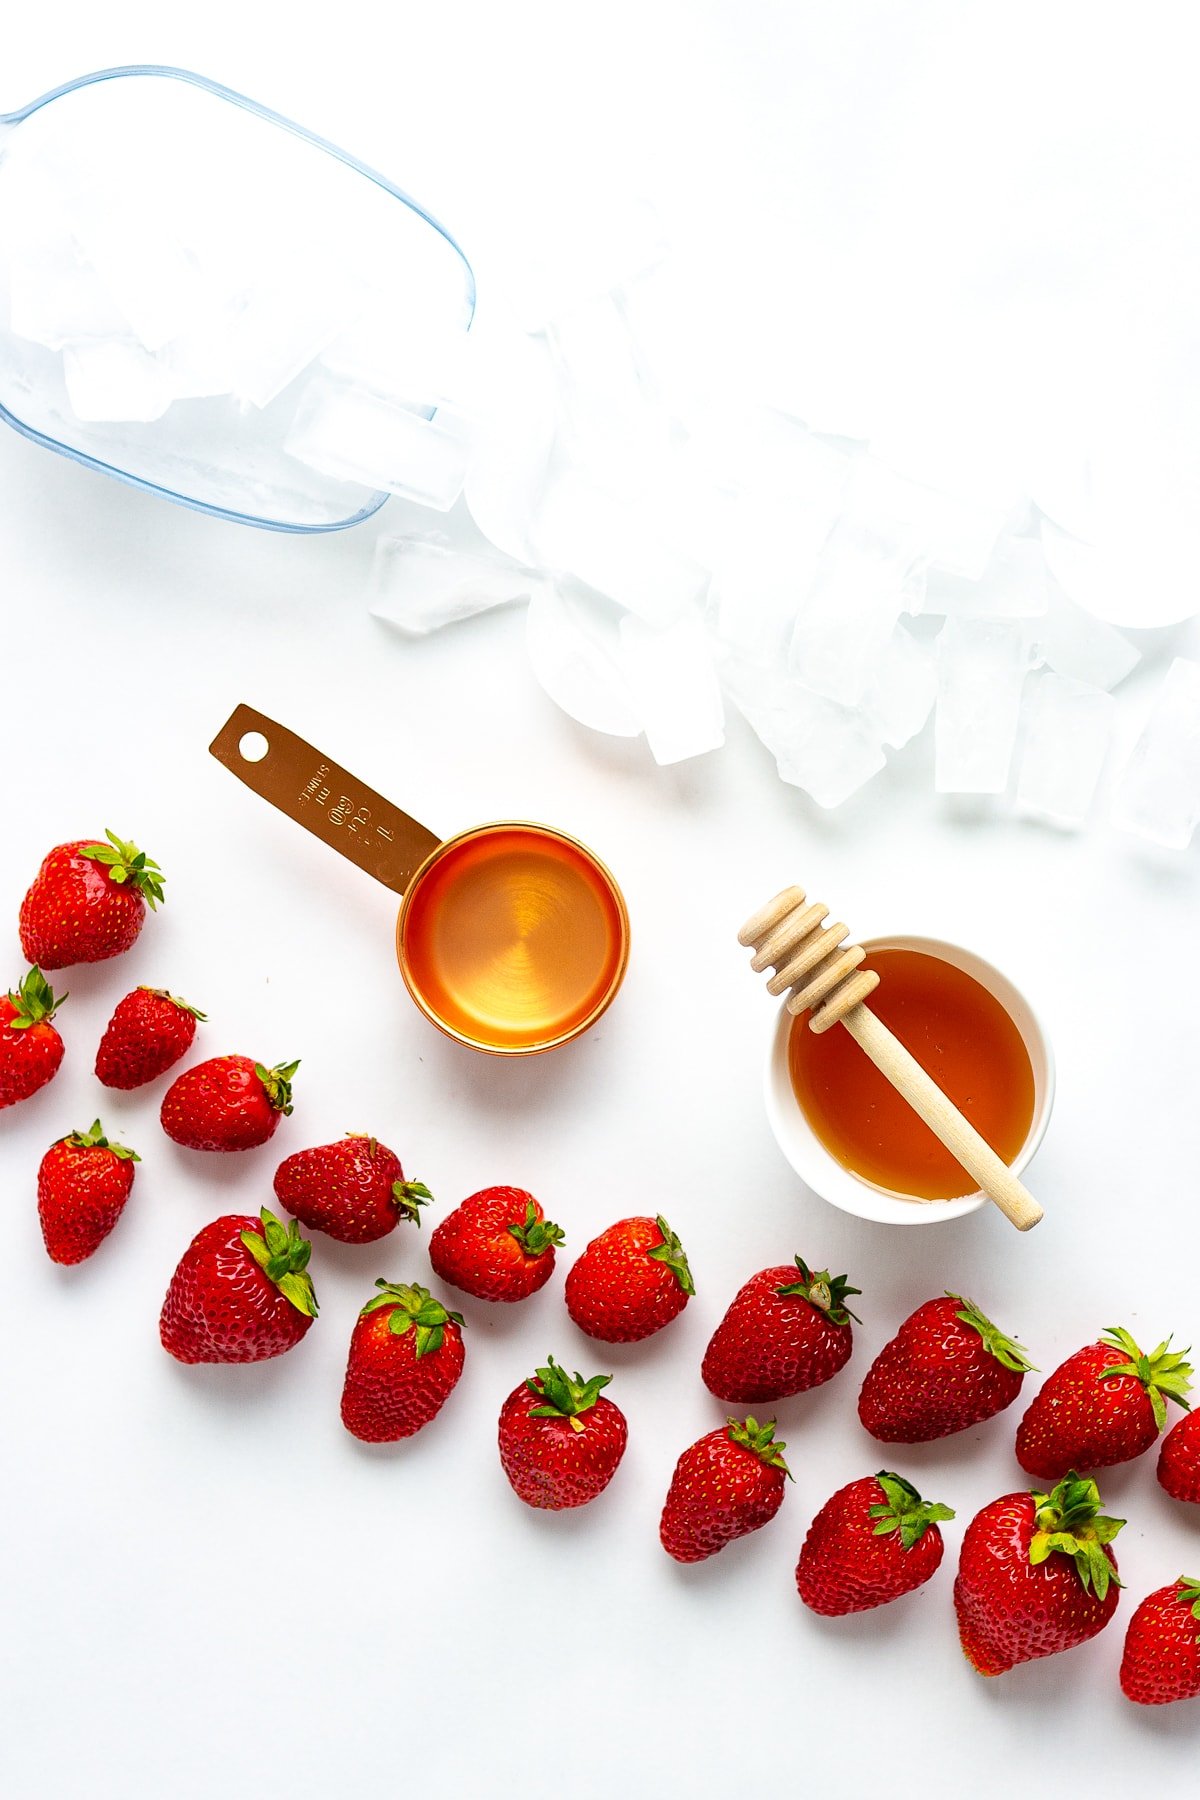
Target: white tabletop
{"x": 211, "y": 1588}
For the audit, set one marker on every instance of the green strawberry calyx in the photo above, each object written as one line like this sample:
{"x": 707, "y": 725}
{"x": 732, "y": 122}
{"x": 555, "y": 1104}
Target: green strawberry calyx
{"x": 1068, "y": 1520}
{"x": 1164, "y": 1374}
{"x": 34, "y": 1001}
{"x": 824, "y": 1291}
{"x": 413, "y": 1309}
{"x": 277, "y": 1084}
{"x": 1006, "y": 1350}
{"x": 902, "y": 1509}
{"x": 94, "y": 1139}
{"x": 128, "y": 867}
{"x": 183, "y": 1005}
{"x": 1189, "y": 1596}
{"x": 410, "y": 1197}
{"x": 282, "y": 1255}
{"x": 564, "y": 1396}
{"x": 748, "y": 1434}
{"x": 671, "y": 1252}
{"x": 536, "y": 1236}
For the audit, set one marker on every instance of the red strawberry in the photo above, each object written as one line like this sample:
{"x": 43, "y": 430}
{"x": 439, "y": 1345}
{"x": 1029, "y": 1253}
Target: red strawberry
{"x": 1035, "y": 1576}
{"x": 30, "y": 1047}
{"x": 83, "y": 1184}
{"x": 227, "y": 1103}
{"x": 560, "y": 1440}
{"x": 1179, "y": 1459}
{"x": 406, "y": 1355}
{"x": 630, "y": 1281}
{"x": 873, "y": 1541}
{"x": 88, "y": 902}
{"x": 149, "y": 1031}
{"x": 946, "y": 1368}
{"x": 726, "y": 1484}
{"x": 780, "y": 1336}
{"x": 241, "y": 1293}
{"x": 498, "y": 1245}
{"x": 1104, "y": 1405}
{"x": 353, "y": 1191}
{"x": 1162, "y": 1646}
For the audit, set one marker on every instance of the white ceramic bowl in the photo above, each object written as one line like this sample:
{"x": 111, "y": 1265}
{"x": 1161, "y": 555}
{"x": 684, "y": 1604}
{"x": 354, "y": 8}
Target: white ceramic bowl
{"x": 826, "y": 1176}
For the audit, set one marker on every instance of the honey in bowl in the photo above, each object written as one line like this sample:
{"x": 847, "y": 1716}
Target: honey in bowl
{"x": 966, "y": 1041}
{"x": 513, "y": 937}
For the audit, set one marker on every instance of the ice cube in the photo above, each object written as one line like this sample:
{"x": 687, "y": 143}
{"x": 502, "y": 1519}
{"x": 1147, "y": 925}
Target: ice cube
{"x": 420, "y": 582}
{"x": 848, "y": 613}
{"x": 114, "y": 381}
{"x": 1158, "y": 793}
{"x": 353, "y": 435}
{"x": 617, "y": 547}
{"x": 1014, "y": 585}
{"x": 1079, "y": 646}
{"x": 764, "y": 454}
{"x": 285, "y": 324}
{"x": 1067, "y": 729}
{"x": 830, "y": 751}
{"x": 420, "y": 364}
{"x": 981, "y": 667}
{"x": 573, "y": 639}
{"x": 154, "y": 279}
{"x": 761, "y": 571}
{"x": 902, "y": 689}
{"x": 674, "y": 687}
{"x": 612, "y": 416}
{"x": 932, "y": 526}
{"x": 56, "y": 301}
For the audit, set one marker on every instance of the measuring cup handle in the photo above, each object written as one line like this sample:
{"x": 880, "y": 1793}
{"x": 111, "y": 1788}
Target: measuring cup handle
{"x": 336, "y": 807}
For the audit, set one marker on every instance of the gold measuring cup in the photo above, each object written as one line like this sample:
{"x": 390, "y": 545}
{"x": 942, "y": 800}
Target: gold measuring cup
{"x": 512, "y": 937}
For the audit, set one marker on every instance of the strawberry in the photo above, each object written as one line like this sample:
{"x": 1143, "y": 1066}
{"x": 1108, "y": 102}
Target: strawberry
{"x": 406, "y": 1355}
{"x": 947, "y": 1367}
{"x": 726, "y": 1484}
{"x": 780, "y": 1336}
{"x": 83, "y": 1184}
{"x": 874, "y": 1540}
{"x": 353, "y": 1191}
{"x": 1161, "y": 1662}
{"x": 241, "y": 1293}
{"x": 1104, "y": 1405}
{"x": 560, "y": 1439}
{"x": 498, "y": 1245}
{"x": 30, "y": 1047}
{"x": 1179, "y": 1459}
{"x": 88, "y": 902}
{"x": 227, "y": 1103}
{"x": 148, "y": 1033}
{"x": 1035, "y": 1576}
{"x": 630, "y": 1281}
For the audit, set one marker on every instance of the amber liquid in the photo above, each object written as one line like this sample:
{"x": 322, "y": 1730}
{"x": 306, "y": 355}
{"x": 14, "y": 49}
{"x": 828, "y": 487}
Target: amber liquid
{"x": 515, "y": 938}
{"x": 960, "y": 1034}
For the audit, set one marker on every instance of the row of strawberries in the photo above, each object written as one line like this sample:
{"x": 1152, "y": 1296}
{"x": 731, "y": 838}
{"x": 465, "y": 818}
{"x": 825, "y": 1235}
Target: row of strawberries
{"x": 1036, "y": 1574}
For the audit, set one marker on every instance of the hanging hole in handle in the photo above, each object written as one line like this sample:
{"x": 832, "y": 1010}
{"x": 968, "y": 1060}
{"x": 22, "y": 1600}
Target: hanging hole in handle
{"x": 253, "y": 747}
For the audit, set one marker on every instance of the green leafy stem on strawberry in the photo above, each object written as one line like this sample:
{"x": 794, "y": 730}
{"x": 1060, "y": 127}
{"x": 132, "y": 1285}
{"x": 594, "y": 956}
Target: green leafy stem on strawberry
{"x": 760, "y": 1439}
{"x": 536, "y": 1236}
{"x": 283, "y": 1255}
{"x": 277, "y": 1084}
{"x": 904, "y": 1511}
{"x": 1068, "y": 1521}
{"x": 824, "y": 1291}
{"x": 671, "y": 1252}
{"x": 94, "y": 1139}
{"x": 33, "y": 1000}
{"x": 1189, "y": 1595}
{"x": 128, "y": 866}
{"x": 564, "y": 1396}
{"x": 1006, "y": 1350}
{"x": 413, "y": 1309}
{"x": 183, "y": 1005}
{"x": 1164, "y": 1374}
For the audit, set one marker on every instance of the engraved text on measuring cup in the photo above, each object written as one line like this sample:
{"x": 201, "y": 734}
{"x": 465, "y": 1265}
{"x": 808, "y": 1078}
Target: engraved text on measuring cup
{"x": 317, "y": 789}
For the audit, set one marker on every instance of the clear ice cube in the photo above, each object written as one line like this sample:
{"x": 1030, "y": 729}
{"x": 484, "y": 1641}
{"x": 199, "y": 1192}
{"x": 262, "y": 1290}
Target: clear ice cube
{"x": 932, "y": 526}
{"x": 830, "y": 751}
{"x": 285, "y": 324}
{"x": 1014, "y": 585}
{"x": 154, "y": 279}
{"x": 617, "y": 547}
{"x": 115, "y": 380}
{"x": 1068, "y": 725}
{"x": 848, "y": 613}
{"x": 55, "y": 300}
{"x": 420, "y": 582}
{"x": 674, "y": 687}
{"x": 981, "y": 668}
{"x": 1081, "y": 647}
{"x": 613, "y": 418}
{"x": 902, "y": 689}
{"x": 353, "y": 435}
{"x": 764, "y": 563}
{"x": 574, "y": 644}
{"x": 1158, "y": 793}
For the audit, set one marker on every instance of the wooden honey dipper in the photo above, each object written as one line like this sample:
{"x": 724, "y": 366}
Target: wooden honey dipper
{"x": 822, "y": 972}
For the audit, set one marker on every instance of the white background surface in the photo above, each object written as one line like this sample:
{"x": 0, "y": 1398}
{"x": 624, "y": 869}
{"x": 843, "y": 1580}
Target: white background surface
{"x": 209, "y": 1588}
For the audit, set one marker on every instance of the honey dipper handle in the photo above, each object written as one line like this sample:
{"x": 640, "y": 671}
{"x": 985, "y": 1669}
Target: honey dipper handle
{"x": 943, "y": 1117}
